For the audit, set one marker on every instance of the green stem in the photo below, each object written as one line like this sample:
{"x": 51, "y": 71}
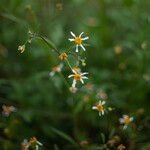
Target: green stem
{"x": 69, "y": 64}
{"x": 50, "y": 45}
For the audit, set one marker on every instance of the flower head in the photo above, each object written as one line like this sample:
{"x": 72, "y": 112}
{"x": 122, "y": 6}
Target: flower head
{"x": 34, "y": 141}
{"x": 21, "y": 48}
{"x": 77, "y": 76}
{"x": 78, "y": 40}
{"x": 25, "y": 144}
{"x": 100, "y": 107}
{"x": 101, "y": 94}
{"x": 126, "y": 120}
{"x": 121, "y": 147}
{"x": 7, "y": 110}
{"x": 63, "y": 56}
{"x": 55, "y": 69}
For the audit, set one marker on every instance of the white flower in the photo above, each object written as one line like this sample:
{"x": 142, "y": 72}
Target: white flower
{"x": 25, "y": 144}
{"x": 7, "y": 110}
{"x": 21, "y": 48}
{"x": 78, "y": 40}
{"x": 100, "y": 107}
{"x": 78, "y": 76}
{"x": 55, "y": 69}
{"x": 126, "y": 120}
{"x": 34, "y": 140}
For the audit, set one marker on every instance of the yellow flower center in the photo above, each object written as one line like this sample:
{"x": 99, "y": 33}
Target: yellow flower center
{"x": 127, "y": 120}
{"x": 78, "y": 40}
{"x": 77, "y": 76}
{"x": 33, "y": 140}
{"x": 100, "y": 107}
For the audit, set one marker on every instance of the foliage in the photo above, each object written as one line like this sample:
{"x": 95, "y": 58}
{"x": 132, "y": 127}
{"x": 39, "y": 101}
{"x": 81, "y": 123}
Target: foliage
{"x": 117, "y": 59}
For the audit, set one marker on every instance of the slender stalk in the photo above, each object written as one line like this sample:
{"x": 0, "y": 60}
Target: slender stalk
{"x": 69, "y": 64}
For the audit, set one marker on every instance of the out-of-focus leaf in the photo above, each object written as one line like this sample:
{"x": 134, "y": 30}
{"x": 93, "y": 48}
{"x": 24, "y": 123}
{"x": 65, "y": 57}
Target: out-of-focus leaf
{"x": 56, "y": 147}
{"x": 49, "y": 43}
{"x": 103, "y": 137}
{"x": 13, "y": 18}
{"x": 64, "y": 136}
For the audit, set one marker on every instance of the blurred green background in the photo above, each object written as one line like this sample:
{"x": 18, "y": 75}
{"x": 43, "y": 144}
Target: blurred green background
{"x": 118, "y": 61}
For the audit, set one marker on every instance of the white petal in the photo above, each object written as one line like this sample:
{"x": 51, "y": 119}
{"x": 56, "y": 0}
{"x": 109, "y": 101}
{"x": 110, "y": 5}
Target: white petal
{"x": 52, "y": 73}
{"x": 121, "y": 120}
{"x": 131, "y": 118}
{"x": 73, "y": 70}
{"x": 71, "y": 40}
{"x": 81, "y": 34}
{"x": 39, "y": 143}
{"x": 74, "y": 84}
{"x": 82, "y": 47}
{"x": 94, "y": 107}
{"x": 100, "y": 102}
{"x": 82, "y": 81}
{"x": 102, "y": 112}
{"x": 77, "y": 48}
{"x": 73, "y": 34}
{"x": 84, "y": 77}
{"x": 70, "y": 75}
{"x": 13, "y": 108}
{"x": 84, "y": 73}
{"x": 124, "y": 127}
{"x": 37, "y": 147}
{"x": 86, "y": 38}
{"x": 103, "y": 102}
{"x": 99, "y": 113}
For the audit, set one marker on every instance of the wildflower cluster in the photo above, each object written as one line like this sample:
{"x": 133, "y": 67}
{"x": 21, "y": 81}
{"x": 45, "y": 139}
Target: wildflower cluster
{"x": 77, "y": 75}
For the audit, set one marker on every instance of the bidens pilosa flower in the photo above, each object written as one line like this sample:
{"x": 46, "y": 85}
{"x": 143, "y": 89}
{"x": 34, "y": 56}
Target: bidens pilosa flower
{"x": 7, "y": 110}
{"x": 33, "y": 141}
{"x": 125, "y": 120}
{"x": 78, "y": 41}
{"x": 77, "y": 76}
{"x": 100, "y": 107}
{"x": 25, "y": 144}
{"x": 121, "y": 147}
{"x": 21, "y": 48}
{"x": 55, "y": 69}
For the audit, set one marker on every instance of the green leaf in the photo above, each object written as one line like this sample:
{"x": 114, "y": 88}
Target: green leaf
{"x": 111, "y": 133}
{"x": 103, "y": 137}
{"x": 50, "y": 44}
{"x": 13, "y": 18}
{"x": 56, "y": 147}
{"x": 64, "y": 136}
